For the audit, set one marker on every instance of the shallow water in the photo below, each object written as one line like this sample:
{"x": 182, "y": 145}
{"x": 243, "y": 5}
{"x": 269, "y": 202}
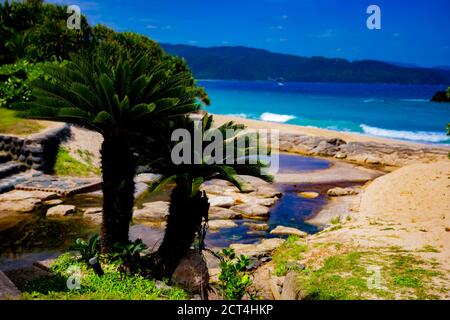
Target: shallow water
{"x": 27, "y": 238}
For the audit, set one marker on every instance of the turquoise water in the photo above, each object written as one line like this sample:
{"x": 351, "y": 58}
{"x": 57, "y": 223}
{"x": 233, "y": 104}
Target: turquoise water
{"x": 385, "y": 110}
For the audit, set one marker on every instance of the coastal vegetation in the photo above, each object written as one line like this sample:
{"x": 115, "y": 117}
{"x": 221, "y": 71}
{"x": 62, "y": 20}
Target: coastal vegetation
{"x": 242, "y": 63}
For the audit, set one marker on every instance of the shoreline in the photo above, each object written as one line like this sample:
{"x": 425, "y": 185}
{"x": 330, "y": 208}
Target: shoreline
{"x": 373, "y": 152}
{"x": 314, "y": 131}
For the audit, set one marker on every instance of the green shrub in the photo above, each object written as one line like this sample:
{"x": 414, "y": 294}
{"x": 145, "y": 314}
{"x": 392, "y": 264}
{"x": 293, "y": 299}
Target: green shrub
{"x": 234, "y": 280}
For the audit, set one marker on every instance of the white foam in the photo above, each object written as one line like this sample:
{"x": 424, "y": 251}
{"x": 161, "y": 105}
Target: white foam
{"x": 406, "y": 135}
{"x": 240, "y": 115}
{"x": 273, "y": 117}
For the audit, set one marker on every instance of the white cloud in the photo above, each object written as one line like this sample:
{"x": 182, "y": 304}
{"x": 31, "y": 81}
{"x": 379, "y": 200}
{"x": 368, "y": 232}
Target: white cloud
{"x": 150, "y": 26}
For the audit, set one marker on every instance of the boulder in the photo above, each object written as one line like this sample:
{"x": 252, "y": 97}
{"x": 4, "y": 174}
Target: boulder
{"x": 260, "y": 249}
{"x": 286, "y": 231}
{"x": 218, "y": 213}
{"x": 221, "y": 201}
{"x": 267, "y": 192}
{"x": 308, "y": 194}
{"x": 252, "y": 211}
{"x": 192, "y": 273}
{"x": 256, "y": 226}
{"x": 153, "y": 211}
{"x": 60, "y": 211}
{"x": 221, "y": 224}
{"x": 338, "y": 192}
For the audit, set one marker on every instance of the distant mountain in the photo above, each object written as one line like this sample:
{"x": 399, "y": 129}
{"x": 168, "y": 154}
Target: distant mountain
{"x": 243, "y": 63}
{"x": 442, "y": 67}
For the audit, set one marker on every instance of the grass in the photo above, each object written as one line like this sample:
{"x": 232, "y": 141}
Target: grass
{"x": 111, "y": 286}
{"x": 360, "y": 274}
{"x": 66, "y": 165}
{"x": 291, "y": 250}
{"x": 10, "y": 123}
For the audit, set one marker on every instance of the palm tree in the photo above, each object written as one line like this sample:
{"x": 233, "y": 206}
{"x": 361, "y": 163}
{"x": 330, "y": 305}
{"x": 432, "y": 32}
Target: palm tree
{"x": 188, "y": 205}
{"x": 123, "y": 98}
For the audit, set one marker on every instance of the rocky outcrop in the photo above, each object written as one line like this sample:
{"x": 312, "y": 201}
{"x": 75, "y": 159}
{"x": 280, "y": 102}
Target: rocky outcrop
{"x": 440, "y": 96}
{"x": 368, "y": 153}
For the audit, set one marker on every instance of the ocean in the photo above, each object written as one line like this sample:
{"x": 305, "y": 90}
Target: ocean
{"x": 384, "y": 110}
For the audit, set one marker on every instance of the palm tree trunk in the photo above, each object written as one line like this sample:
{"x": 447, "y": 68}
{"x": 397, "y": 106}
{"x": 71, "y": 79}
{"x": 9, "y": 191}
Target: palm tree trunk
{"x": 185, "y": 217}
{"x": 118, "y": 170}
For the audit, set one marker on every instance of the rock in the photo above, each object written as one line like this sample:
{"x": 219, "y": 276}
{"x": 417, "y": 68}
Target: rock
{"x": 146, "y": 177}
{"x": 256, "y": 226}
{"x": 340, "y": 155}
{"x": 252, "y": 211}
{"x": 308, "y": 194}
{"x": 7, "y": 288}
{"x": 221, "y": 224}
{"x": 259, "y": 249}
{"x": 372, "y": 159}
{"x": 221, "y": 201}
{"x": 218, "y": 213}
{"x": 153, "y": 211}
{"x": 290, "y": 287}
{"x": 440, "y": 96}
{"x": 267, "y": 192}
{"x": 338, "y": 192}
{"x": 44, "y": 264}
{"x": 276, "y": 287}
{"x": 20, "y": 206}
{"x": 53, "y": 202}
{"x": 285, "y": 231}
{"x": 17, "y": 195}
{"x": 252, "y": 199}
{"x": 60, "y": 211}
{"x": 192, "y": 273}
{"x": 93, "y": 214}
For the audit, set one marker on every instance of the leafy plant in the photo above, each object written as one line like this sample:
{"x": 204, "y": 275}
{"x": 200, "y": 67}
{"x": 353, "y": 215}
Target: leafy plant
{"x": 89, "y": 249}
{"x": 234, "y": 280}
{"x": 90, "y": 252}
{"x": 128, "y": 255}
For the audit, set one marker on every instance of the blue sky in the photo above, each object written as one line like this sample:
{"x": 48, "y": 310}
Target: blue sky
{"x": 416, "y": 32}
